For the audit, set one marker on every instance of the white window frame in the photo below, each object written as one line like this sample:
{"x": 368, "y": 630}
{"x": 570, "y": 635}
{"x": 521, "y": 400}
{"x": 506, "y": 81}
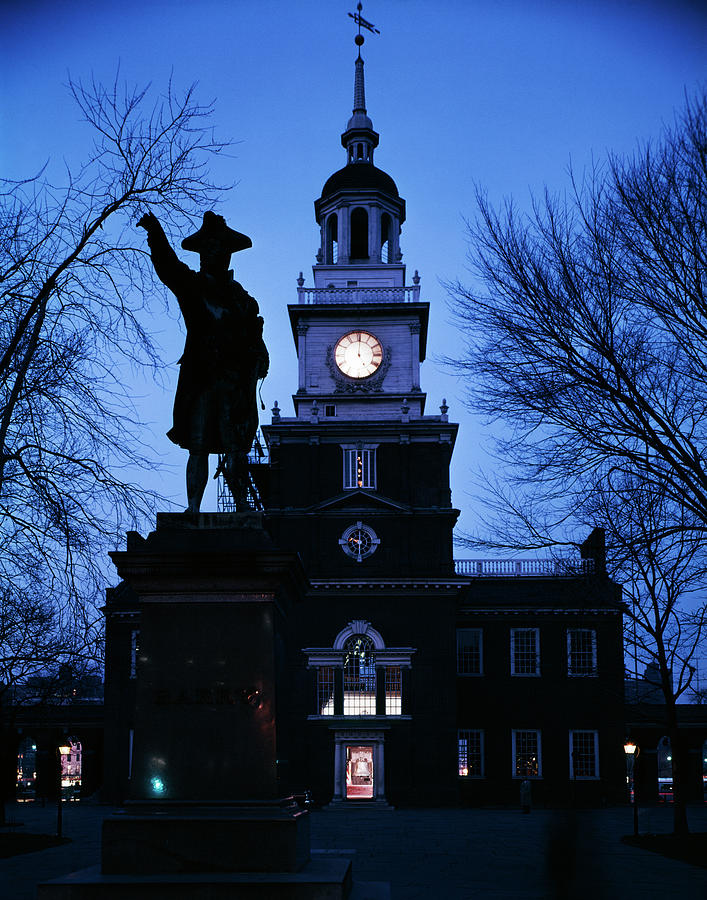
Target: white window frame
{"x": 596, "y": 775}
{"x": 480, "y": 633}
{"x": 514, "y": 733}
{"x": 462, "y": 734}
{"x": 593, "y": 672}
{"x": 536, "y": 673}
{"x": 368, "y": 465}
{"x": 322, "y": 686}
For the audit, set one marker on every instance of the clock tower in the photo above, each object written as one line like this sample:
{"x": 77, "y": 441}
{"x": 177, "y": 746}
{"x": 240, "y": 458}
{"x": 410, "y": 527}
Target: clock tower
{"x": 360, "y": 474}
{"x": 358, "y": 485}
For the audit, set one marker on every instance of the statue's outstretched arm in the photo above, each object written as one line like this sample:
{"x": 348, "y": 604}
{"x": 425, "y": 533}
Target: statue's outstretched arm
{"x": 169, "y": 268}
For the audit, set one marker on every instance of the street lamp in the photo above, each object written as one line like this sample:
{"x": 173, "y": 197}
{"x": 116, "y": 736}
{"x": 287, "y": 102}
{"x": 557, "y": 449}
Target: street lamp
{"x": 631, "y": 750}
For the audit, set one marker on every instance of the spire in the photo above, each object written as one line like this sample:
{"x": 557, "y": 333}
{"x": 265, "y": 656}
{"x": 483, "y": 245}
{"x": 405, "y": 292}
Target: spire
{"x": 359, "y": 105}
{"x": 359, "y": 139}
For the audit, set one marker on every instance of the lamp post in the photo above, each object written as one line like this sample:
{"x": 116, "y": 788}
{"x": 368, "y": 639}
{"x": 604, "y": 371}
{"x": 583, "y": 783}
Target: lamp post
{"x": 631, "y": 750}
{"x": 60, "y": 752}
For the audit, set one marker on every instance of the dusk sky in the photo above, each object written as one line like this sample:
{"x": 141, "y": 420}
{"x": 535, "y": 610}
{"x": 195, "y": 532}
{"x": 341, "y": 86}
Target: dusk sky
{"x": 500, "y": 94}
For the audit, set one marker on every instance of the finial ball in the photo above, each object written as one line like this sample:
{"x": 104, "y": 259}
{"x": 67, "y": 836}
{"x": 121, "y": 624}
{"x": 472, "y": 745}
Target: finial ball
{"x": 359, "y": 39}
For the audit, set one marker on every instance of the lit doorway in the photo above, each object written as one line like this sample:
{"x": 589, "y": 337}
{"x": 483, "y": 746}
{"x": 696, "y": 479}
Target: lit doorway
{"x": 359, "y": 773}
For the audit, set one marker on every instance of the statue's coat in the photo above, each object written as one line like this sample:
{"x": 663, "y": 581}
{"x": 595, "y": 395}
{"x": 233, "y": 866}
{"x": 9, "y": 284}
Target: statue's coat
{"x": 215, "y": 407}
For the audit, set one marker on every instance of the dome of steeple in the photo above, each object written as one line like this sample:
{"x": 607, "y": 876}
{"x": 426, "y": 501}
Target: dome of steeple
{"x": 361, "y": 176}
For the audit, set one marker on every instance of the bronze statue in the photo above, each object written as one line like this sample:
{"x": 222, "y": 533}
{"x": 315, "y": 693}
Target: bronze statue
{"x": 215, "y": 407}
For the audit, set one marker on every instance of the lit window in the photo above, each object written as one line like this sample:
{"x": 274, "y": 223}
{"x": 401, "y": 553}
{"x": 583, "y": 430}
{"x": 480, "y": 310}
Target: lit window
{"x": 325, "y": 691}
{"x": 525, "y": 651}
{"x": 359, "y": 469}
{"x": 526, "y": 754}
{"x": 469, "y": 652}
{"x": 584, "y": 754}
{"x": 359, "y": 677}
{"x": 393, "y": 691}
{"x": 581, "y": 651}
{"x": 134, "y": 637}
{"x": 470, "y": 748}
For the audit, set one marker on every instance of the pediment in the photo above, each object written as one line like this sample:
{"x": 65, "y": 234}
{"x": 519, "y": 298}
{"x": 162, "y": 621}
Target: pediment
{"x": 359, "y": 500}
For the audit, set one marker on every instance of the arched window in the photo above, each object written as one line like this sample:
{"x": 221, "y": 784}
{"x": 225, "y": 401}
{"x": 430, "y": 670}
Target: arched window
{"x": 27, "y": 769}
{"x": 359, "y": 233}
{"x": 331, "y": 250}
{"x": 385, "y": 237}
{"x": 359, "y": 676}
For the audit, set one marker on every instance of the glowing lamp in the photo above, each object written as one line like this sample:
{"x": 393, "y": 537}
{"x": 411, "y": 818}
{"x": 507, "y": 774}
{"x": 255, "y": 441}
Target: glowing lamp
{"x": 157, "y": 785}
{"x": 64, "y": 750}
{"x": 629, "y": 748}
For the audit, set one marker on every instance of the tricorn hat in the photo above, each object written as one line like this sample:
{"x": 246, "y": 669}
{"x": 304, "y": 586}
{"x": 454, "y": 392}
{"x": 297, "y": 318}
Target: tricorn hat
{"x": 214, "y": 228}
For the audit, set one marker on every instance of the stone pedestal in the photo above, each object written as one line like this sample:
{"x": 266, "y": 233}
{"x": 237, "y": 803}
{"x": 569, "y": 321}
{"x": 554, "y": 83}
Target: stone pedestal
{"x": 205, "y": 817}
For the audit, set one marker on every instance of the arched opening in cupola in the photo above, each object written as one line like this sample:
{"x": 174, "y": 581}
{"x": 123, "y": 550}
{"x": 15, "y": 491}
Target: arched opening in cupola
{"x": 386, "y": 226}
{"x": 359, "y": 233}
{"x": 331, "y": 249}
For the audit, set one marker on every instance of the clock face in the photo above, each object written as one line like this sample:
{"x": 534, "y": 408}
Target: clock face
{"x": 358, "y": 354}
{"x": 359, "y": 541}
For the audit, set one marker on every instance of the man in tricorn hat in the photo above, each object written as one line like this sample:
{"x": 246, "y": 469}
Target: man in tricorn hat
{"x": 215, "y": 407}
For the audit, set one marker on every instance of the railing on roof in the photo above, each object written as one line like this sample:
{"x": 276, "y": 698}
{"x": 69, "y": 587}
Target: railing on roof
{"x": 520, "y": 567}
{"x": 409, "y": 294}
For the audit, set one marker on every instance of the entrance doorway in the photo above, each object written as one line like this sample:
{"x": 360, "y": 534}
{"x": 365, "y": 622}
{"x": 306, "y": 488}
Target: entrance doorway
{"x": 359, "y": 773}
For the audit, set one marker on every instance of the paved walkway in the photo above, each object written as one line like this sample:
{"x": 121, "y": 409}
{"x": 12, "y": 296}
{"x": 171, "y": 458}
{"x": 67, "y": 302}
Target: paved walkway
{"x": 456, "y": 854}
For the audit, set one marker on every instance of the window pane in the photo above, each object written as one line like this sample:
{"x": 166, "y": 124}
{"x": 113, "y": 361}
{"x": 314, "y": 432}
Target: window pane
{"x": 581, "y": 651}
{"x": 469, "y": 745}
{"x": 524, "y": 651}
{"x": 393, "y": 691}
{"x": 325, "y": 691}
{"x": 359, "y": 677}
{"x": 359, "y": 469}
{"x": 583, "y": 754}
{"x": 526, "y": 749}
{"x": 469, "y": 651}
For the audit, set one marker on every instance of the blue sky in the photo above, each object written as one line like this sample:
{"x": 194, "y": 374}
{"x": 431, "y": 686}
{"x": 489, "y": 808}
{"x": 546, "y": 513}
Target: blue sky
{"x": 501, "y": 94}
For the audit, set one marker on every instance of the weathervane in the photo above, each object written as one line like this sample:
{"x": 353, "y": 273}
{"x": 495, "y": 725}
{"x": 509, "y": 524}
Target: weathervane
{"x": 361, "y": 22}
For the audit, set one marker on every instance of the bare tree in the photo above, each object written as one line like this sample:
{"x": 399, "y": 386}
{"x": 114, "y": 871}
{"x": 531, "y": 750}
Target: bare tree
{"x": 587, "y": 340}
{"x": 72, "y": 294}
{"x": 662, "y": 572}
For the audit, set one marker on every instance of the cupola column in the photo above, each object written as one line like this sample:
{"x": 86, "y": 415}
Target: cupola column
{"x": 374, "y": 234}
{"x": 344, "y": 232}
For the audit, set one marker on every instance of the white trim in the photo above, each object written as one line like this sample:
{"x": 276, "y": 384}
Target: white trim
{"x": 594, "y": 673}
{"x": 536, "y": 673}
{"x": 480, "y": 732}
{"x": 596, "y": 775}
{"x": 537, "y": 731}
{"x": 359, "y": 626}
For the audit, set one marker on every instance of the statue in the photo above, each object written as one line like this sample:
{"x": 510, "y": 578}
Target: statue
{"x": 215, "y": 407}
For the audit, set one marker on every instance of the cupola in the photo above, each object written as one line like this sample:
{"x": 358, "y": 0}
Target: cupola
{"x": 360, "y": 211}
